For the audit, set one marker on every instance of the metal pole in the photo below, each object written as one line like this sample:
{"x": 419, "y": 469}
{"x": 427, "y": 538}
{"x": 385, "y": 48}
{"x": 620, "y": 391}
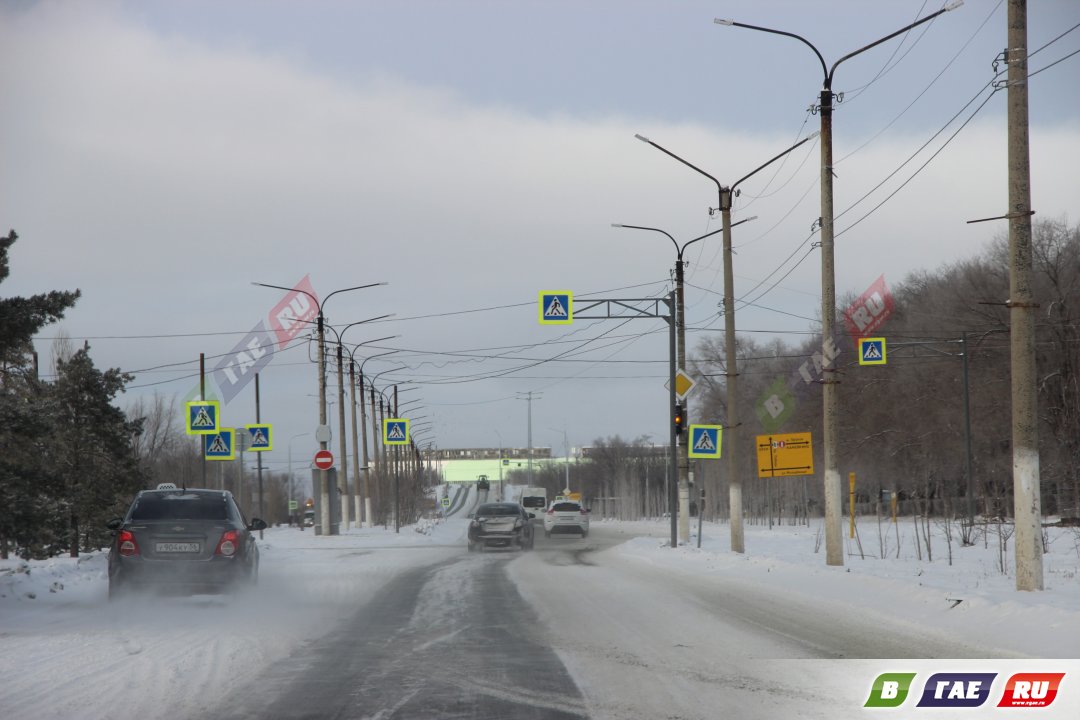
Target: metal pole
{"x": 970, "y": 505}
{"x": 354, "y": 489}
{"x": 530, "y": 441}
{"x": 258, "y": 456}
{"x": 1027, "y": 511}
{"x": 202, "y": 398}
{"x": 324, "y": 481}
{"x": 673, "y": 500}
{"x": 364, "y": 452}
{"x": 397, "y": 474}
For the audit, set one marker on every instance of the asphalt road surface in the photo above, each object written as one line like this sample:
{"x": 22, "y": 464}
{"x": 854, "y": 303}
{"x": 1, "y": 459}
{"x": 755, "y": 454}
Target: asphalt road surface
{"x": 454, "y": 639}
{"x": 485, "y": 636}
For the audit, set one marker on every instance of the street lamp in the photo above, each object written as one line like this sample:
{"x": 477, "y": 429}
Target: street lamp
{"x": 343, "y": 467}
{"x": 730, "y": 361}
{"x": 834, "y": 550}
{"x": 680, "y": 332}
{"x": 324, "y": 485}
{"x": 363, "y": 424}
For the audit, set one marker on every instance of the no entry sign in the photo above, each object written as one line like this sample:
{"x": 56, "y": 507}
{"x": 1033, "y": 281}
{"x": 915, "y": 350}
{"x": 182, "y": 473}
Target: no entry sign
{"x": 324, "y": 459}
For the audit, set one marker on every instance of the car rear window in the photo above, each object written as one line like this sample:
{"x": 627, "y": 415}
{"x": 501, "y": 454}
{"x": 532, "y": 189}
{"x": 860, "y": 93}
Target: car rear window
{"x": 533, "y": 502}
{"x": 566, "y": 506}
{"x": 497, "y": 510}
{"x": 180, "y": 506}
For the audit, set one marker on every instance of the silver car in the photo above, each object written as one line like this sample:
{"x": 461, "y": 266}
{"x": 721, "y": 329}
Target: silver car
{"x": 500, "y": 525}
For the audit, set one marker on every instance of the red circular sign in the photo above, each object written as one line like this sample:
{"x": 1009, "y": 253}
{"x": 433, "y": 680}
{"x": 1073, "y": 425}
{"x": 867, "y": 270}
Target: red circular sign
{"x": 324, "y": 459}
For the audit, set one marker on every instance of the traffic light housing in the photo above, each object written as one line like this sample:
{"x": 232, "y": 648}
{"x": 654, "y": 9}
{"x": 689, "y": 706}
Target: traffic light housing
{"x": 680, "y": 419}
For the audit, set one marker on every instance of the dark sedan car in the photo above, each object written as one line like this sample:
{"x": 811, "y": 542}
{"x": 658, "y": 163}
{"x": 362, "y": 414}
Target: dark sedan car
{"x": 500, "y": 525}
{"x": 183, "y": 540}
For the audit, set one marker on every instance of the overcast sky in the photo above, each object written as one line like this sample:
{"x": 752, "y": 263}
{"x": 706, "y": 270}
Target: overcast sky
{"x": 162, "y": 156}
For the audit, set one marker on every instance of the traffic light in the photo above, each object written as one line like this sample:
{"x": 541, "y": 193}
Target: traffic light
{"x": 680, "y": 419}
{"x": 309, "y": 503}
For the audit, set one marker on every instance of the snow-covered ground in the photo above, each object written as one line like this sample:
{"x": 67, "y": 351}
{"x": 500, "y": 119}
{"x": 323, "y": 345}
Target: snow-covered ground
{"x": 65, "y": 652}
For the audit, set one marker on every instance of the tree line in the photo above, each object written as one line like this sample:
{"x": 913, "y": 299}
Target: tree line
{"x": 903, "y": 425}
{"x": 71, "y": 459}
{"x": 66, "y": 459}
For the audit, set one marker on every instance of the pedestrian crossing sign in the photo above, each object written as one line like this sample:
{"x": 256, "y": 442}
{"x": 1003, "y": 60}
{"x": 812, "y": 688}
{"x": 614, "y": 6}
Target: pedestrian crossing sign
{"x": 203, "y": 417}
{"x": 395, "y": 431}
{"x": 219, "y": 446}
{"x": 556, "y": 307}
{"x": 872, "y": 351}
{"x": 261, "y": 437}
{"x": 705, "y": 441}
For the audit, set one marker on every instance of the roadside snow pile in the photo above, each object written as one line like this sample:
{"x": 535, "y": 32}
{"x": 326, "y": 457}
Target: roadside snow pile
{"x": 22, "y": 580}
{"x": 426, "y": 526}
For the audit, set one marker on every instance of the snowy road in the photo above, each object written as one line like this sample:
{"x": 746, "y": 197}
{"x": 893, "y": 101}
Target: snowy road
{"x": 374, "y": 624}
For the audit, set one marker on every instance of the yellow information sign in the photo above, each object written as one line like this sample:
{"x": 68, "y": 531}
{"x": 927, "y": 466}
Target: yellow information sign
{"x": 785, "y": 455}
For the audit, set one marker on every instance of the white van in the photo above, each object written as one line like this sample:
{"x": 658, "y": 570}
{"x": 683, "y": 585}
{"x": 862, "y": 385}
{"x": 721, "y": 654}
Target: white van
{"x": 534, "y": 500}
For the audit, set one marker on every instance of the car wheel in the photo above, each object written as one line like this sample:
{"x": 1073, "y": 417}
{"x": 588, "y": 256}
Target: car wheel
{"x": 472, "y": 547}
{"x": 584, "y": 534}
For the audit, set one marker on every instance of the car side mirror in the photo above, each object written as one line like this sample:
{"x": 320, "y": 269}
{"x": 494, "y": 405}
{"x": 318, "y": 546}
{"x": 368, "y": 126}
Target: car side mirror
{"x": 114, "y": 524}
{"x": 257, "y": 524}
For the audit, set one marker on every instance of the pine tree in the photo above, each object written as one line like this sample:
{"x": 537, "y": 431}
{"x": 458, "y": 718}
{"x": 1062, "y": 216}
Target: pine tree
{"x": 24, "y": 491}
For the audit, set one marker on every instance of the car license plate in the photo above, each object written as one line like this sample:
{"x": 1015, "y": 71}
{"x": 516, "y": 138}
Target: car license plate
{"x": 178, "y": 547}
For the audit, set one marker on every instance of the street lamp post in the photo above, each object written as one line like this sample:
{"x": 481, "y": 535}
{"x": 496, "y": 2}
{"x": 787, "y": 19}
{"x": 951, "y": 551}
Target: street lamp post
{"x": 834, "y": 551}
{"x": 680, "y": 333}
{"x": 324, "y": 485}
{"x": 343, "y": 465}
{"x": 364, "y": 493}
{"x": 731, "y": 428}
{"x": 377, "y": 446}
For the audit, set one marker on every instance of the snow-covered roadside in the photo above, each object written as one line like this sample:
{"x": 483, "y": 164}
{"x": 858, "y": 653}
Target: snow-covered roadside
{"x": 965, "y": 599}
{"x": 66, "y": 652}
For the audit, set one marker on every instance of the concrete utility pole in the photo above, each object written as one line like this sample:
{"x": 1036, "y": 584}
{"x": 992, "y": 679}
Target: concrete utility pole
{"x": 529, "y": 398}
{"x": 1027, "y": 510}
{"x": 343, "y": 461}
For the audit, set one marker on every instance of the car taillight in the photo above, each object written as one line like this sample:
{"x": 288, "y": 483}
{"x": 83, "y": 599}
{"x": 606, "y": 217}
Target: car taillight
{"x": 128, "y": 546}
{"x": 584, "y": 511}
{"x": 227, "y": 545}
{"x": 551, "y": 511}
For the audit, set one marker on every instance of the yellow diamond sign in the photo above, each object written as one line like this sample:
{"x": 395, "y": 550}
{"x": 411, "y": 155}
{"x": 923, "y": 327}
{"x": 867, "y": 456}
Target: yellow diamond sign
{"x": 683, "y": 384}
